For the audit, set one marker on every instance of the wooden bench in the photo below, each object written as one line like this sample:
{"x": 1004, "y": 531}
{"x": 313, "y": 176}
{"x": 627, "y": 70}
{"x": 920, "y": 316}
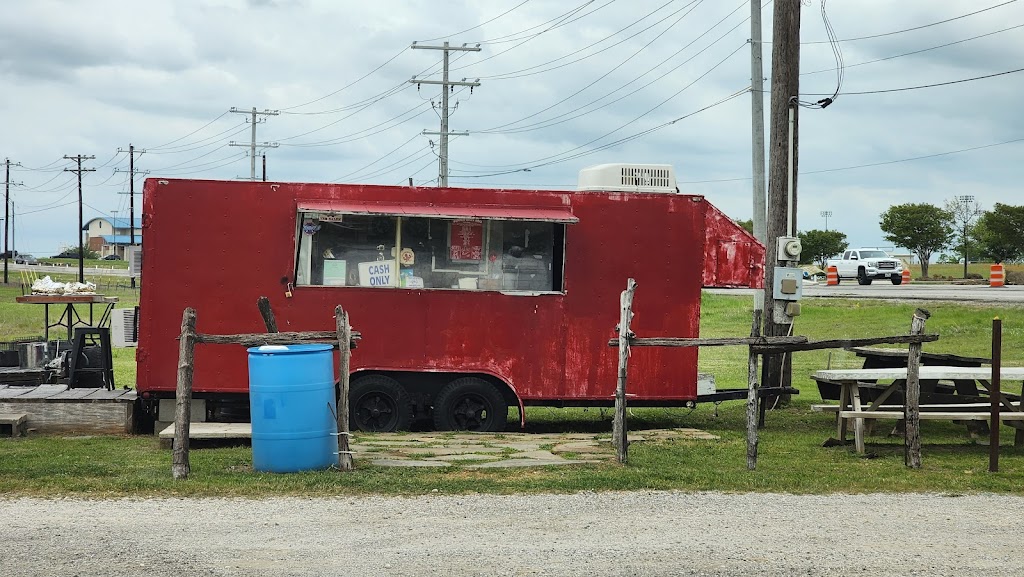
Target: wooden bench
{"x": 16, "y": 422}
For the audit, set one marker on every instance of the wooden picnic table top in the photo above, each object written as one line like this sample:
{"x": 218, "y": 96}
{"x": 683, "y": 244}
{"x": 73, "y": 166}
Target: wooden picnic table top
{"x": 64, "y": 299}
{"x": 936, "y": 372}
{"x": 902, "y": 353}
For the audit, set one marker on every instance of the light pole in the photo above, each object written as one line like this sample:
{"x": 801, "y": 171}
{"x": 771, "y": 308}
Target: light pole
{"x": 826, "y": 214}
{"x": 966, "y": 200}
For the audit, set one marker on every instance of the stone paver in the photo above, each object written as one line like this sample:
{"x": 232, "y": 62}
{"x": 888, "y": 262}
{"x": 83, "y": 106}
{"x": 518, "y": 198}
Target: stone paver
{"x": 501, "y": 450}
{"x": 409, "y": 463}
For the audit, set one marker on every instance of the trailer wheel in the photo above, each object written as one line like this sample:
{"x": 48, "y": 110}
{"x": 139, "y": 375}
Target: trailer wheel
{"x": 470, "y": 404}
{"x": 378, "y": 404}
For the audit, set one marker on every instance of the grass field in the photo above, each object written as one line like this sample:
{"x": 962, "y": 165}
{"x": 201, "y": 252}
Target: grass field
{"x": 956, "y": 271}
{"x": 791, "y": 456}
{"x": 88, "y": 263}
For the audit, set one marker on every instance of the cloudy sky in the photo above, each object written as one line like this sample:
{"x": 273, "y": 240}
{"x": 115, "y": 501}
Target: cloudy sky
{"x": 563, "y": 84}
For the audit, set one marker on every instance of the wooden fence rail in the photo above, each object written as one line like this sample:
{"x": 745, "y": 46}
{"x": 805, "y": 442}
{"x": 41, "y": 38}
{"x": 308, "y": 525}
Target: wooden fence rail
{"x": 764, "y": 345}
{"x": 343, "y": 338}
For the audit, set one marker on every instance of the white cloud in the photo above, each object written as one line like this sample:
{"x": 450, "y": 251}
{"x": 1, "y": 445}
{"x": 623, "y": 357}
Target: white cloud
{"x": 90, "y": 77}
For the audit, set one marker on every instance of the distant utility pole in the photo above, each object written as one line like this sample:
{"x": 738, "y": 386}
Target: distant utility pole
{"x": 782, "y": 197}
{"x": 252, "y": 143}
{"x": 442, "y": 177}
{"x": 758, "y": 134}
{"x": 131, "y": 193}
{"x": 81, "y": 245}
{"x": 826, "y": 214}
{"x": 7, "y": 204}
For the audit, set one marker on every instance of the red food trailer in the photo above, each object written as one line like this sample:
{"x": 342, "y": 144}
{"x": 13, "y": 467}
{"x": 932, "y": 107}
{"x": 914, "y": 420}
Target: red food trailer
{"x": 469, "y": 300}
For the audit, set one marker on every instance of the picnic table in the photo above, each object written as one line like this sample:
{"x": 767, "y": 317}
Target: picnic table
{"x": 852, "y": 407}
{"x": 70, "y": 317}
{"x": 932, "y": 392}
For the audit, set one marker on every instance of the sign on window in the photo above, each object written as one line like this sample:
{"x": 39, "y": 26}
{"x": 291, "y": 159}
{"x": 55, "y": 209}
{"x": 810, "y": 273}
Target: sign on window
{"x": 466, "y": 241}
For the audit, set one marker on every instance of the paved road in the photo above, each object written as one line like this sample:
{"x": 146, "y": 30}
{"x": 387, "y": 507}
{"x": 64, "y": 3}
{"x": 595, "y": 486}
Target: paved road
{"x": 939, "y": 292}
{"x": 634, "y": 534}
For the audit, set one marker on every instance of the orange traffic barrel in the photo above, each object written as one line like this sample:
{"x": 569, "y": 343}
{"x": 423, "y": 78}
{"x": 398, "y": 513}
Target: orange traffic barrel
{"x": 906, "y": 276}
{"x": 832, "y": 276}
{"x": 996, "y": 275}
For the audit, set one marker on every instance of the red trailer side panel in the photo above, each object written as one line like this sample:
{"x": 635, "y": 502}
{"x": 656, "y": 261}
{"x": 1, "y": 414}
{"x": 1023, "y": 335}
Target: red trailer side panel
{"x": 218, "y": 246}
{"x": 733, "y": 257}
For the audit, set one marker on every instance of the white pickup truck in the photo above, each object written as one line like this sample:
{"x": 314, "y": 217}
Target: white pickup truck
{"x": 867, "y": 264}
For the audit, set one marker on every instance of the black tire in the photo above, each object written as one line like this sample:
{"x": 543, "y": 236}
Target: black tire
{"x": 378, "y": 404}
{"x": 897, "y": 280}
{"x": 862, "y": 277}
{"x": 470, "y": 404}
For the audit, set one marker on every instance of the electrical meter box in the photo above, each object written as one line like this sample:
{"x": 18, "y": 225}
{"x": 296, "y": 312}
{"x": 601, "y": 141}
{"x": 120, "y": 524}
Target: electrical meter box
{"x": 789, "y": 248}
{"x": 788, "y": 284}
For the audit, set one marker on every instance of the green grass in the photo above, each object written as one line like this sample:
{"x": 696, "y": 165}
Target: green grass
{"x": 957, "y": 270}
{"x": 791, "y": 456}
{"x": 88, "y": 263}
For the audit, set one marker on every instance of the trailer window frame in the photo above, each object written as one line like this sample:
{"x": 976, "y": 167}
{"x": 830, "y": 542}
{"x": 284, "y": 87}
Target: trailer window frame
{"x": 491, "y": 277}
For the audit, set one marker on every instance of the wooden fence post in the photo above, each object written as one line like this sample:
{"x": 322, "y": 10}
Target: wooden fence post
{"x": 180, "y": 468}
{"x": 268, "y": 315}
{"x": 620, "y": 431}
{"x": 912, "y": 404}
{"x": 995, "y": 395}
{"x": 752, "y": 417}
{"x": 344, "y": 353}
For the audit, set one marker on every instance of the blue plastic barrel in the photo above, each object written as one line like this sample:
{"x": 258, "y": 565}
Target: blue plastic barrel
{"x": 292, "y": 406}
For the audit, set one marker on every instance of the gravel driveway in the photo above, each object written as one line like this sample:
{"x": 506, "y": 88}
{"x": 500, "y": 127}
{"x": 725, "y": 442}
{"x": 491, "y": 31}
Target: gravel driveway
{"x": 643, "y": 533}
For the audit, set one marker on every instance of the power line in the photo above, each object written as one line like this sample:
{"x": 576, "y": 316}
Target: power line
{"x": 650, "y": 110}
{"x": 288, "y": 109}
{"x": 873, "y": 164}
{"x": 189, "y": 134}
{"x": 914, "y": 51}
{"x": 480, "y": 25}
{"x": 925, "y": 85}
{"x": 196, "y": 145}
{"x": 605, "y": 75}
{"x": 894, "y": 32}
{"x": 538, "y": 163}
{"x": 568, "y": 115}
{"x": 525, "y": 71}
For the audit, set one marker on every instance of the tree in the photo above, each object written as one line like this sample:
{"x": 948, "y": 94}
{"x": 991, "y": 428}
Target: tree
{"x": 963, "y": 210}
{"x": 748, "y": 225}
{"x": 819, "y": 245}
{"x": 922, "y": 228}
{"x": 999, "y": 233}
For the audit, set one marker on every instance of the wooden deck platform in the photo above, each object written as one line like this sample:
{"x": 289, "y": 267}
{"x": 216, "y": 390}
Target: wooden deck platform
{"x": 57, "y": 409}
{"x": 207, "y": 432}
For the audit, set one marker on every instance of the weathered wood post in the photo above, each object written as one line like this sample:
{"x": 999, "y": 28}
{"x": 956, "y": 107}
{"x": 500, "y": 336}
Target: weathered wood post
{"x": 344, "y": 354}
{"x": 995, "y": 395}
{"x": 268, "y": 315}
{"x": 912, "y": 405}
{"x": 619, "y": 430}
{"x": 180, "y": 467}
{"x": 752, "y": 419}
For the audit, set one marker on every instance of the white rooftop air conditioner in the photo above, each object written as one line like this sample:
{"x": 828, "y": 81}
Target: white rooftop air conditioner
{"x": 123, "y": 328}
{"x": 133, "y": 254}
{"x": 628, "y": 178}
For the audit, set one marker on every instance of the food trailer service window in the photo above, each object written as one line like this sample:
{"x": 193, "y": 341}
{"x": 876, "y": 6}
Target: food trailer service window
{"x": 421, "y": 246}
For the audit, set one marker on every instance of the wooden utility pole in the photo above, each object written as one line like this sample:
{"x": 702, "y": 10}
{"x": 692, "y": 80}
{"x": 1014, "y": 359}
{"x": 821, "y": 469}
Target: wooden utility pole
{"x": 8, "y": 212}
{"x": 131, "y": 195}
{"x": 782, "y": 170}
{"x": 444, "y": 83}
{"x": 620, "y": 431}
{"x": 81, "y": 245}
